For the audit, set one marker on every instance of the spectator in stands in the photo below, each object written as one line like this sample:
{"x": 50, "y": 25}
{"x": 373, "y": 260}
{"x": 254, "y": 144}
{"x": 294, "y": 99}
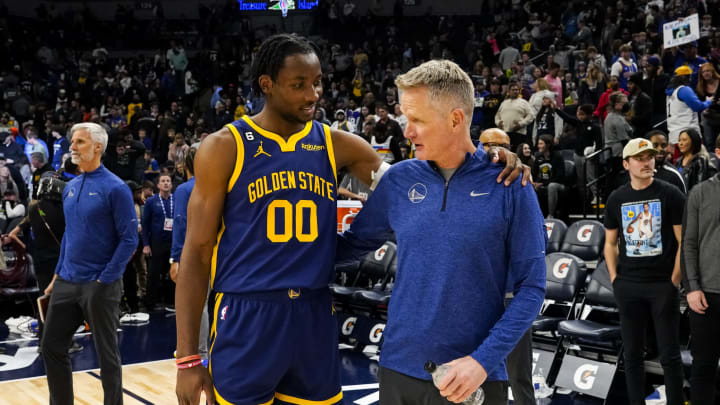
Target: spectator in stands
{"x": 35, "y": 145}
{"x": 694, "y": 162}
{"x": 541, "y": 90}
{"x": 437, "y": 98}
{"x": 87, "y": 282}
{"x": 61, "y": 146}
{"x": 707, "y": 89}
{"x": 152, "y": 168}
{"x": 654, "y": 85}
{"x": 591, "y": 87}
{"x": 702, "y": 281}
{"x": 524, "y": 152}
{"x": 157, "y": 226}
{"x": 674, "y": 58}
{"x": 178, "y": 149}
{"x": 601, "y": 110}
{"x": 12, "y": 211}
{"x": 683, "y": 105}
{"x": 385, "y": 143}
{"x": 491, "y": 104}
{"x": 715, "y": 157}
{"x": 624, "y": 67}
{"x": 589, "y": 138}
{"x": 555, "y": 82}
{"x": 596, "y": 59}
{"x": 547, "y": 122}
{"x": 514, "y": 115}
{"x": 644, "y": 219}
{"x": 7, "y": 182}
{"x": 549, "y": 173}
{"x": 640, "y": 105}
{"x": 400, "y": 117}
{"x": 617, "y": 131}
{"x": 10, "y": 149}
{"x": 40, "y": 165}
{"x": 340, "y": 121}
{"x": 663, "y": 169}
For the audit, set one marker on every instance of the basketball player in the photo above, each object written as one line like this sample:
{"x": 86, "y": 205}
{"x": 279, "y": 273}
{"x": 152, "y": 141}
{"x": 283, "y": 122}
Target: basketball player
{"x": 645, "y": 232}
{"x": 262, "y": 227}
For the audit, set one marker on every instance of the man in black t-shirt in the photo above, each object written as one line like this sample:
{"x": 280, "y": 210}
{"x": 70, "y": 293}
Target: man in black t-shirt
{"x": 644, "y": 219}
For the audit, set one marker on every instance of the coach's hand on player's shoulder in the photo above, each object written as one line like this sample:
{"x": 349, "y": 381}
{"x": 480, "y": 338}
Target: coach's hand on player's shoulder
{"x": 513, "y": 166}
{"x": 190, "y": 383}
{"x": 463, "y": 378}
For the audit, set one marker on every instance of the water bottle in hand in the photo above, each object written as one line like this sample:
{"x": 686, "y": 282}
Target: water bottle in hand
{"x": 438, "y": 372}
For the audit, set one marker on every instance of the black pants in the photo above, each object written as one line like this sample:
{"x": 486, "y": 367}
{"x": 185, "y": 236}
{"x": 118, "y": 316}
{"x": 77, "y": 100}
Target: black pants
{"x": 70, "y": 304}
{"x": 44, "y": 273}
{"x": 130, "y": 287}
{"x": 638, "y": 303}
{"x": 705, "y": 332}
{"x": 161, "y": 289}
{"x": 400, "y": 389}
{"x": 519, "y": 369}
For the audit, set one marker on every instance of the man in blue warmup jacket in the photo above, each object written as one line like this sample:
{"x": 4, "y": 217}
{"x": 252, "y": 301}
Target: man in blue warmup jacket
{"x": 462, "y": 238}
{"x": 100, "y": 238}
{"x": 182, "y": 197}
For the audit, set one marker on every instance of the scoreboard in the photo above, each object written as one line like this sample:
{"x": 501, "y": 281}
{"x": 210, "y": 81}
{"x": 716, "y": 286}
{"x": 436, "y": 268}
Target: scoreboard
{"x": 277, "y": 5}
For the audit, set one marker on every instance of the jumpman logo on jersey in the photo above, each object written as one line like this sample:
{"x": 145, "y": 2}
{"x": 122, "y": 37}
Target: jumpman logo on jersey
{"x": 260, "y": 151}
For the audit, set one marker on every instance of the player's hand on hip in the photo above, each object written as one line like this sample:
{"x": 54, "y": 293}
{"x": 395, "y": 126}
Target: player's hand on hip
{"x": 697, "y": 302}
{"x": 463, "y": 378}
{"x": 513, "y": 166}
{"x": 190, "y": 383}
{"x": 173, "y": 271}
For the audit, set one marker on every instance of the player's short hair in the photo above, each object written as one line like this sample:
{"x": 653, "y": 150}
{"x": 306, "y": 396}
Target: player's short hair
{"x": 271, "y": 56}
{"x": 445, "y": 81}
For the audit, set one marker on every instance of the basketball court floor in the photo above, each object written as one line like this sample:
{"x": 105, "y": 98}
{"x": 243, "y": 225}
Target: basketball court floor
{"x": 149, "y": 370}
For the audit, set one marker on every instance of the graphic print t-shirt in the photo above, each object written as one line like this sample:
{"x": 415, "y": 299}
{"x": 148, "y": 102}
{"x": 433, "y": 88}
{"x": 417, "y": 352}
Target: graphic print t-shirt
{"x": 644, "y": 220}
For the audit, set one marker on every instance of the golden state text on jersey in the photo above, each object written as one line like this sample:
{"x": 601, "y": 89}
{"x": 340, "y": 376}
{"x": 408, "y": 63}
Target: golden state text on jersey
{"x": 279, "y": 222}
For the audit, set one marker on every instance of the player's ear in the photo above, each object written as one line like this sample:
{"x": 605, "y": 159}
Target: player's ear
{"x": 266, "y": 83}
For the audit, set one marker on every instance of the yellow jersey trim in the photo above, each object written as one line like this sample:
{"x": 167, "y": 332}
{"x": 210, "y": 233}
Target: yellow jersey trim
{"x": 213, "y": 336}
{"x": 285, "y": 146}
{"x": 330, "y": 150}
{"x": 240, "y": 156}
{"x": 213, "y": 261}
{"x": 300, "y": 401}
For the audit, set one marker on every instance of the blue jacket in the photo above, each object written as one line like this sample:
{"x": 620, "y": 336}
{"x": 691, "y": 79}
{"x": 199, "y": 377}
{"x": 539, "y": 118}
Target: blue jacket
{"x": 688, "y": 96}
{"x": 153, "y": 219}
{"x": 461, "y": 243}
{"x": 100, "y": 228}
{"x": 182, "y": 196}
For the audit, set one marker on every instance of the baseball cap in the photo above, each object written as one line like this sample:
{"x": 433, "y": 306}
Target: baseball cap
{"x": 339, "y": 112}
{"x": 637, "y": 146}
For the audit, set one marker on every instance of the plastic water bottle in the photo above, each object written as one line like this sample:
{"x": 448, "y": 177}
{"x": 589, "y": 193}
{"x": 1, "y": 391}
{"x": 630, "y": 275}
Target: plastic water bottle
{"x": 438, "y": 372}
{"x": 542, "y": 391}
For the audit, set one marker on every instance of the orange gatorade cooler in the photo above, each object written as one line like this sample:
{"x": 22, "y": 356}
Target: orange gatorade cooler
{"x": 346, "y": 211}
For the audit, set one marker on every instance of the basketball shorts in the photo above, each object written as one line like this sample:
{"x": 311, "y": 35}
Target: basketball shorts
{"x": 278, "y": 347}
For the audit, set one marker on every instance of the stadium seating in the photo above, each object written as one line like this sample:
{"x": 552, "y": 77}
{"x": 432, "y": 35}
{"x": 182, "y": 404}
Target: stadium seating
{"x": 565, "y": 278}
{"x": 556, "y": 230}
{"x": 585, "y": 239}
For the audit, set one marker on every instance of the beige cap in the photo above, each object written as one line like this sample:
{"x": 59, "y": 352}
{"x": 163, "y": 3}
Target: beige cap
{"x": 636, "y": 146}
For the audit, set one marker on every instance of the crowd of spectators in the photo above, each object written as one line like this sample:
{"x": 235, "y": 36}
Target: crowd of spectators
{"x": 563, "y": 79}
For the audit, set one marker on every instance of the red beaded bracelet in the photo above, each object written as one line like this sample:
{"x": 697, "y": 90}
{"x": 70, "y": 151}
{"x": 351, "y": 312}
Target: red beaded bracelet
{"x": 189, "y": 365}
{"x": 187, "y": 359}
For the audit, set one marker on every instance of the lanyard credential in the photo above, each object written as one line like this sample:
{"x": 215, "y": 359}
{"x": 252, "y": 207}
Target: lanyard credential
{"x": 162, "y": 205}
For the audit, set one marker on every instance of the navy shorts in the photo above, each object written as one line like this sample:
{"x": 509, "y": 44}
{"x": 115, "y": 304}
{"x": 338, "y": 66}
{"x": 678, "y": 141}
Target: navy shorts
{"x": 275, "y": 347}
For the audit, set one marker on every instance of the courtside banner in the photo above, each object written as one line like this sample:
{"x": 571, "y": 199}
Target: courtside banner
{"x": 541, "y": 362}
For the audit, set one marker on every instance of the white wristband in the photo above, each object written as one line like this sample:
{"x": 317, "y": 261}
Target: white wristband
{"x": 377, "y": 175}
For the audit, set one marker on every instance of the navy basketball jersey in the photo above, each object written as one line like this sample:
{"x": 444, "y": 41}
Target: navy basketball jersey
{"x": 280, "y": 219}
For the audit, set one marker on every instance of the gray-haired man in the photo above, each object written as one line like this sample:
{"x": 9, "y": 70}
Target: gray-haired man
{"x": 100, "y": 237}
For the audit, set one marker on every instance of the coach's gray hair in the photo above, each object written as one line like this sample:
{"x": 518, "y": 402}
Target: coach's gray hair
{"x": 445, "y": 81}
{"x": 96, "y": 132}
